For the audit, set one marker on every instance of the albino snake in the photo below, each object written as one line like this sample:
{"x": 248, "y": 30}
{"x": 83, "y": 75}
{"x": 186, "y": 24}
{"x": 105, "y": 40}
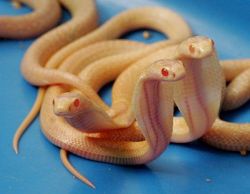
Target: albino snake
{"x": 41, "y": 54}
{"x": 31, "y": 25}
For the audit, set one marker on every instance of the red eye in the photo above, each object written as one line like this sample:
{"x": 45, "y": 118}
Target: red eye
{"x": 164, "y": 72}
{"x": 76, "y": 102}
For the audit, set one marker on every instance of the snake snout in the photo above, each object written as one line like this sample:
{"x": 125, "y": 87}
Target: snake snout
{"x": 178, "y": 70}
{"x": 68, "y": 104}
{"x": 196, "y": 47}
{"x": 61, "y": 106}
{"x": 168, "y": 70}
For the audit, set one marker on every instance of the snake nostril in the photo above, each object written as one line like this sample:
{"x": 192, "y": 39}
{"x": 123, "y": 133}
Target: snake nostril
{"x": 191, "y": 48}
{"x": 53, "y": 102}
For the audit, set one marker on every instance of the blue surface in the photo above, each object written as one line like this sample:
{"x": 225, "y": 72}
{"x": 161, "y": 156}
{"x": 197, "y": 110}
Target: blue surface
{"x": 181, "y": 169}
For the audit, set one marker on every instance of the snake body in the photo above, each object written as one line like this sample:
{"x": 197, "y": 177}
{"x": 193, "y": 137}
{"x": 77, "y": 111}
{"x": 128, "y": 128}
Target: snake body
{"x": 93, "y": 72}
{"x": 120, "y": 97}
{"x": 77, "y": 142}
{"x": 156, "y": 18}
{"x": 122, "y": 152}
{"x": 65, "y": 104}
{"x": 159, "y": 19}
{"x": 229, "y": 136}
{"x": 238, "y": 91}
{"x": 83, "y": 21}
{"x": 31, "y": 25}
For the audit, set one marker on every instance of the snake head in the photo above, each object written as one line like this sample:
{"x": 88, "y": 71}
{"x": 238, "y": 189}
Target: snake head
{"x": 67, "y": 103}
{"x": 196, "y": 47}
{"x": 166, "y": 70}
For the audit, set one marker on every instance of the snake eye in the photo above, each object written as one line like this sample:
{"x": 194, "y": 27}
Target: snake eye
{"x": 77, "y": 102}
{"x": 164, "y": 72}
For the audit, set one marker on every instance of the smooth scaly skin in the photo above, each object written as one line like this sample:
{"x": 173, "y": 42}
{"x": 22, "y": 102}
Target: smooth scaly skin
{"x": 94, "y": 52}
{"x": 99, "y": 72}
{"x": 90, "y": 53}
{"x": 77, "y": 61}
{"x": 64, "y": 158}
{"x": 87, "y": 41}
{"x": 118, "y": 63}
{"x": 83, "y": 20}
{"x": 157, "y": 14}
{"x": 239, "y": 137}
{"x": 124, "y": 120}
{"x": 113, "y": 71}
{"x": 142, "y": 17}
{"x": 100, "y": 50}
{"x": 117, "y": 134}
{"x": 238, "y": 91}
{"x": 122, "y": 106}
{"x": 122, "y": 135}
{"x": 229, "y": 136}
{"x": 94, "y": 71}
{"x": 193, "y": 91}
{"x": 31, "y": 25}
{"x": 91, "y": 75}
{"x": 123, "y": 151}
{"x": 156, "y": 18}
{"x": 103, "y": 118}
{"x": 37, "y": 55}
{"x": 232, "y": 68}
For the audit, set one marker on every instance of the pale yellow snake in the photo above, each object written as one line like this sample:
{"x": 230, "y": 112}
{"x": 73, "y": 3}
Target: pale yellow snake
{"x": 31, "y": 25}
{"x": 81, "y": 142}
{"x": 124, "y": 87}
{"x": 37, "y": 54}
{"x": 40, "y": 52}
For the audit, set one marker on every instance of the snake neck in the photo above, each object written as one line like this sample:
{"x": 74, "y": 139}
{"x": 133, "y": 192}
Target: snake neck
{"x": 153, "y": 107}
{"x": 198, "y": 97}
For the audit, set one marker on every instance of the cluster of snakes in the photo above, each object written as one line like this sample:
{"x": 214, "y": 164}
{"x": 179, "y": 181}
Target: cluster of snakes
{"x": 71, "y": 62}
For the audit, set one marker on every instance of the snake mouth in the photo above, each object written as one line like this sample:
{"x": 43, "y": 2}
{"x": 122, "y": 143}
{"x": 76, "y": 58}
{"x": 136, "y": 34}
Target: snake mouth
{"x": 60, "y": 112}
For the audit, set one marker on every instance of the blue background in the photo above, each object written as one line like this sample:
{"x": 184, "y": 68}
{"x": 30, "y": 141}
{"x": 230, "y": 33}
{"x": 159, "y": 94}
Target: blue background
{"x": 181, "y": 169}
